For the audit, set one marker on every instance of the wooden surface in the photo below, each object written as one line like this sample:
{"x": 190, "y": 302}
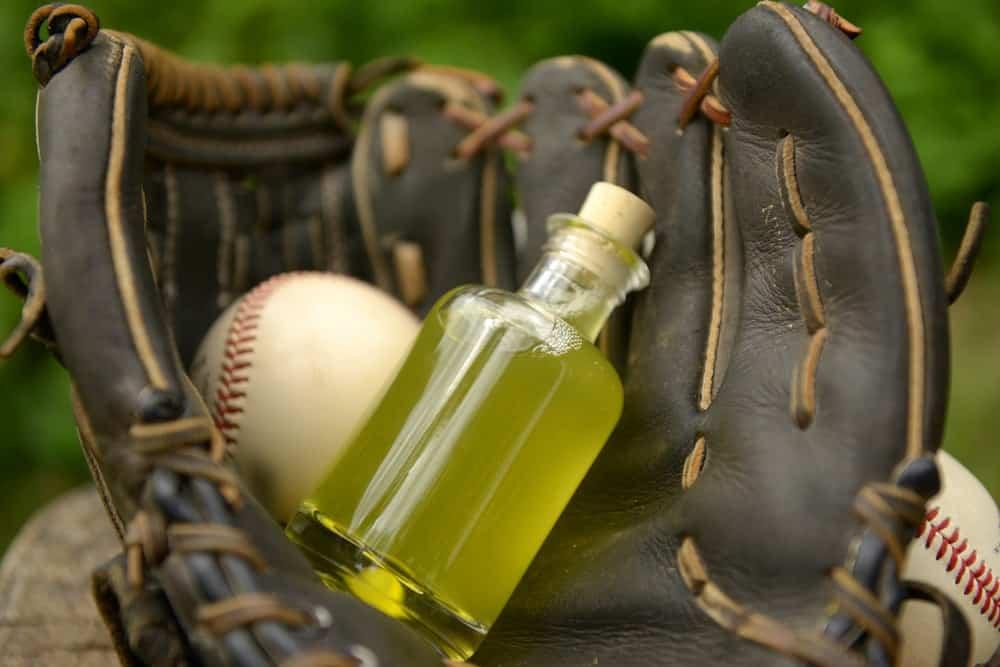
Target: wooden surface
{"x": 47, "y": 615}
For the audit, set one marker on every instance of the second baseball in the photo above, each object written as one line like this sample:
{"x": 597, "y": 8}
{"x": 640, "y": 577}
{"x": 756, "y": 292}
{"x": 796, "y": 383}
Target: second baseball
{"x": 955, "y": 550}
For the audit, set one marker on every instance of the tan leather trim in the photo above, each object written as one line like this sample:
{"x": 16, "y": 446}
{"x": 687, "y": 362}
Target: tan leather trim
{"x": 224, "y": 205}
{"x": 807, "y": 286}
{"x": 790, "y": 177}
{"x": 709, "y": 386}
{"x": 676, "y": 41}
{"x": 361, "y": 180}
{"x": 88, "y": 443}
{"x": 961, "y": 268}
{"x": 753, "y": 626}
{"x": 411, "y": 276}
{"x": 116, "y": 231}
{"x": 487, "y": 219}
{"x": 449, "y": 87}
{"x": 701, "y": 45}
{"x": 707, "y": 391}
{"x": 694, "y": 463}
{"x": 395, "y": 139}
{"x": 897, "y": 220}
{"x": 804, "y": 386}
{"x": 219, "y": 618}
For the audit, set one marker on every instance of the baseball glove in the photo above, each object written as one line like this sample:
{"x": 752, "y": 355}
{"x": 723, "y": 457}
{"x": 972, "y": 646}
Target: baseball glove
{"x": 785, "y": 372}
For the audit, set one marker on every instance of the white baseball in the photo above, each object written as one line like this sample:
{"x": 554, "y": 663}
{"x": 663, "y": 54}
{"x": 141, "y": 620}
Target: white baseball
{"x": 290, "y": 370}
{"x": 957, "y": 550}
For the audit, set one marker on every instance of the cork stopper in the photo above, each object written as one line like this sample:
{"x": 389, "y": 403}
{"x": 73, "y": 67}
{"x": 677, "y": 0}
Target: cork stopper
{"x": 618, "y": 213}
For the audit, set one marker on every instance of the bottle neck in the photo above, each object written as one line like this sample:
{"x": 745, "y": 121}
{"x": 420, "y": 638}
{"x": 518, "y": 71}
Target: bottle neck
{"x": 583, "y": 275}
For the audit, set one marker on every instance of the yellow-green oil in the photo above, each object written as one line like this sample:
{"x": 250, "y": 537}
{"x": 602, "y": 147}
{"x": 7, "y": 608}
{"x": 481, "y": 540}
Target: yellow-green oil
{"x": 435, "y": 510}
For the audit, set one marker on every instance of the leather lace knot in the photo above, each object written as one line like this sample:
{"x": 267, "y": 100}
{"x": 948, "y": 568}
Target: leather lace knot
{"x": 700, "y": 96}
{"x": 71, "y": 30}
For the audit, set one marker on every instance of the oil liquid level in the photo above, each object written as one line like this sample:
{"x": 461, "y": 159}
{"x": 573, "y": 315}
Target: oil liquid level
{"x": 435, "y": 510}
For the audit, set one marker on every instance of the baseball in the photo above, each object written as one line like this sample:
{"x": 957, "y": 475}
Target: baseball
{"x": 957, "y": 549}
{"x": 289, "y": 371}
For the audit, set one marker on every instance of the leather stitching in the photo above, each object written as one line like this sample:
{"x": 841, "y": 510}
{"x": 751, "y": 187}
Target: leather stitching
{"x": 707, "y": 391}
{"x": 116, "y": 233}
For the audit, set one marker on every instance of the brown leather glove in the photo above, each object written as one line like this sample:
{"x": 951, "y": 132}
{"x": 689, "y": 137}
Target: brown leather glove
{"x": 784, "y": 372}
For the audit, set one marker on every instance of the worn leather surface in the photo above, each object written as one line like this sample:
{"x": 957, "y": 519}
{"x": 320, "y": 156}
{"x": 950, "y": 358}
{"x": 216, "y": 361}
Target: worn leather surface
{"x": 771, "y": 513}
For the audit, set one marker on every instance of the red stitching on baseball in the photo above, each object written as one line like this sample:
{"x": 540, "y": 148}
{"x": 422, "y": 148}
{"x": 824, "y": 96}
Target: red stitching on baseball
{"x": 981, "y": 577}
{"x": 237, "y": 353}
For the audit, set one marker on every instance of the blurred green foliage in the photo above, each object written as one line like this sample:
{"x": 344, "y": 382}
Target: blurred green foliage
{"x": 940, "y": 60}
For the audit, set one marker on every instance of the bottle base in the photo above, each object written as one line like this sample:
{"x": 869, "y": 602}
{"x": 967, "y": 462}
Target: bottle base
{"x": 343, "y": 564}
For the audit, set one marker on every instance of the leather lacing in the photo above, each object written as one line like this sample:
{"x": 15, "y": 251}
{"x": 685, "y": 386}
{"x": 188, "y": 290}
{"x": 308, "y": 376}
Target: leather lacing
{"x": 175, "y": 83}
{"x": 830, "y": 15}
{"x": 192, "y": 449}
{"x": 868, "y": 592}
{"x": 701, "y": 96}
{"x": 700, "y": 93}
{"x": 501, "y": 130}
{"x": 31, "y": 289}
{"x": 71, "y": 30}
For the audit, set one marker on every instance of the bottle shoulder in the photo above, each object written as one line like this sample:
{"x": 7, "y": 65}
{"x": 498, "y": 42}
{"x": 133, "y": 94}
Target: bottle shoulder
{"x": 497, "y": 307}
{"x": 472, "y": 309}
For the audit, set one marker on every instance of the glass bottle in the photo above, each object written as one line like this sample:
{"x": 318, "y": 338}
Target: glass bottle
{"x": 435, "y": 510}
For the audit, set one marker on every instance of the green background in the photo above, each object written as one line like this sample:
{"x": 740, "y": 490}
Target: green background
{"x": 941, "y": 61}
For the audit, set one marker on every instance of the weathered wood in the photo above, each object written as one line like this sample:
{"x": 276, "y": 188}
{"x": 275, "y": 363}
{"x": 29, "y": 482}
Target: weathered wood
{"x": 47, "y": 614}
